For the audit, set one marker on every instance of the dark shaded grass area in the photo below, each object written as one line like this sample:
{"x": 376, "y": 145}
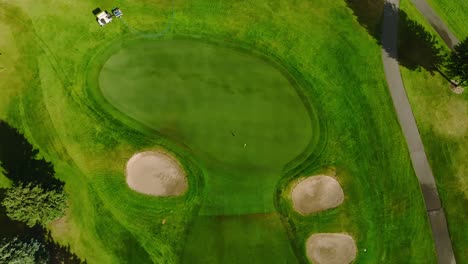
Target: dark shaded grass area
{"x": 20, "y": 160}
{"x": 416, "y": 47}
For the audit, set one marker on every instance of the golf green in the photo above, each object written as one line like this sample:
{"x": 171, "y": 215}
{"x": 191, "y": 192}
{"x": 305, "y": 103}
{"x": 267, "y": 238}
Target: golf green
{"x": 190, "y": 98}
{"x": 240, "y": 114}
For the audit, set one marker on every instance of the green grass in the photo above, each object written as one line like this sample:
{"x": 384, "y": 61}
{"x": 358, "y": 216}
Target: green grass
{"x": 455, "y": 15}
{"x": 254, "y": 238}
{"x": 59, "y": 54}
{"x": 239, "y": 115}
{"x": 441, "y": 117}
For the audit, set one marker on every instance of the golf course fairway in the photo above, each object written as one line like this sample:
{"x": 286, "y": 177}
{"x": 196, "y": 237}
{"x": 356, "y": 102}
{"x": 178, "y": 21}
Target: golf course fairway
{"x": 226, "y": 107}
{"x": 239, "y": 114}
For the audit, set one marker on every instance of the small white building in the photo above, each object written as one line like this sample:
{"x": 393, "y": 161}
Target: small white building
{"x": 103, "y": 18}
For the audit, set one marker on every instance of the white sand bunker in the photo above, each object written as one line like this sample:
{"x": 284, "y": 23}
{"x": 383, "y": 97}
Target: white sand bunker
{"x": 156, "y": 173}
{"x": 331, "y": 248}
{"x": 316, "y": 193}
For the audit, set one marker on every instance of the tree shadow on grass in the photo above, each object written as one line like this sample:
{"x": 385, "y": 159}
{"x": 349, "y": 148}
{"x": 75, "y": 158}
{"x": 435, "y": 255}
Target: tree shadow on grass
{"x": 416, "y": 48}
{"x": 369, "y": 15}
{"x": 20, "y": 163}
{"x": 56, "y": 253}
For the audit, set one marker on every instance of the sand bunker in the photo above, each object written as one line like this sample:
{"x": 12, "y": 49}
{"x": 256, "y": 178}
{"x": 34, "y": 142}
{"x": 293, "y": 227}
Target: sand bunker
{"x": 316, "y": 193}
{"x": 156, "y": 173}
{"x": 331, "y": 248}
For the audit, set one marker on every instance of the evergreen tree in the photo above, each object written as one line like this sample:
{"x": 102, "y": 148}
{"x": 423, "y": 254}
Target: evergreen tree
{"x": 457, "y": 65}
{"x": 15, "y": 251}
{"x": 33, "y": 205}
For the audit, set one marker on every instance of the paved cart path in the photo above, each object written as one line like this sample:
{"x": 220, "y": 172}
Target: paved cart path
{"x": 410, "y": 130}
{"x": 437, "y": 23}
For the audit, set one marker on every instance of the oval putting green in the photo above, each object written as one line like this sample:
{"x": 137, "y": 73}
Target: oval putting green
{"x": 240, "y": 114}
{"x": 243, "y": 119}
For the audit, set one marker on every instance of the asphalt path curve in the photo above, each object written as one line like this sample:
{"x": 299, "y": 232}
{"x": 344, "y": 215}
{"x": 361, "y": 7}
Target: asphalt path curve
{"x": 437, "y": 23}
{"x": 407, "y": 121}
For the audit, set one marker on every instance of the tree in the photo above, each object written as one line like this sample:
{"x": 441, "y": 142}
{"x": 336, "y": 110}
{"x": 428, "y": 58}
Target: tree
{"x": 22, "y": 163}
{"x": 457, "y": 65}
{"x": 32, "y": 204}
{"x": 15, "y": 251}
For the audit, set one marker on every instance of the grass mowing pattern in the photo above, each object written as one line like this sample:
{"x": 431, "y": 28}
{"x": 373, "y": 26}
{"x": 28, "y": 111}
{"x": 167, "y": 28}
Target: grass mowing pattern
{"x": 317, "y": 41}
{"x": 242, "y": 119}
{"x": 255, "y": 238}
{"x": 239, "y": 115}
{"x": 455, "y": 15}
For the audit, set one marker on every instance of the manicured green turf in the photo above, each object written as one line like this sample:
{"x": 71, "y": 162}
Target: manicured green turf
{"x": 257, "y": 238}
{"x": 60, "y": 51}
{"x": 243, "y": 120}
{"x": 441, "y": 117}
{"x": 239, "y": 115}
{"x": 454, "y": 13}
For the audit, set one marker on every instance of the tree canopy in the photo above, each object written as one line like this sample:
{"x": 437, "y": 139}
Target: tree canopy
{"x": 33, "y": 205}
{"x": 32, "y": 195}
{"x": 457, "y": 65}
{"x": 15, "y": 251}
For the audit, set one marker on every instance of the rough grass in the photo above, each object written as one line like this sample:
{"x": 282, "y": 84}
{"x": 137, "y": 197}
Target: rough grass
{"x": 455, "y": 15}
{"x": 442, "y": 117}
{"x": 318, "y": 42}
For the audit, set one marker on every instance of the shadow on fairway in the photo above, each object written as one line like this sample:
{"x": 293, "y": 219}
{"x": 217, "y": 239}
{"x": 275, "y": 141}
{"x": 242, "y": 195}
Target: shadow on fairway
{"x": 20, "y": 163}
{"x": 56, "y": 253}
{"x": 369, "y": 14}
{"x": 416, "y": 47}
